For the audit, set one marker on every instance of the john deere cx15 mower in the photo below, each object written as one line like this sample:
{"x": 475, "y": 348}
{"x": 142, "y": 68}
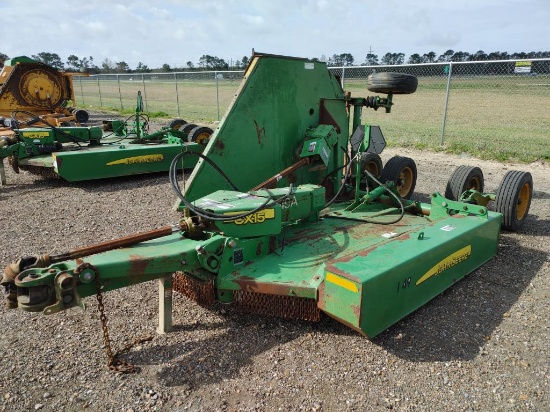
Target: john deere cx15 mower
{"x": 290, "y": 213}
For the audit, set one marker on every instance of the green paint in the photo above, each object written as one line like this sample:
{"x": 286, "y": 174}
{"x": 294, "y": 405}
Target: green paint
{"x": 359, "y": 267}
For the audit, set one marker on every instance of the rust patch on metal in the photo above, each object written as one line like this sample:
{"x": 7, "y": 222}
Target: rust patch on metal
{"x": 259, "y": 132}
{"x": 137, "y": 264}
{"x": 259, "y": 248}
{"x": 201, "y": 292}
{"x": 321, "y": 296}
{"x": 272, "y": 244}
{"x": 219, "y": 145}
{"x": 326, "y": 118}
{"x": 251, "y": 285}
{"x": 289, "y": 307}
{"x": 356, "y": 310}
{"x": 346, "y": 323}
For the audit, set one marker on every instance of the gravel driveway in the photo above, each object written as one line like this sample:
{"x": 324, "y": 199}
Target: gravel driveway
{"x": 481, "y": 345}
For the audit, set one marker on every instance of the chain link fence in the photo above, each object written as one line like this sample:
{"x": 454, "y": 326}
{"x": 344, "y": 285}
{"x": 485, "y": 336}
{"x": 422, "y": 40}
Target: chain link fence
{"x": 494, "y": 109}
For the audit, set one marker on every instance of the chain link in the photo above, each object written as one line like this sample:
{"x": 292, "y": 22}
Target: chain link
{"x": 113, "y": 362}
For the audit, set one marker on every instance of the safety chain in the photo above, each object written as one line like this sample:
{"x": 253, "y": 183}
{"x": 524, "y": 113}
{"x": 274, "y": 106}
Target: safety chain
{"x": 113, "y": 362}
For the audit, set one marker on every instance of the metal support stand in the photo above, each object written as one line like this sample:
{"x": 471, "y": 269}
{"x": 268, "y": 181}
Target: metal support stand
{"x": 165, "y": 305}
{"x": 2, "y": 173}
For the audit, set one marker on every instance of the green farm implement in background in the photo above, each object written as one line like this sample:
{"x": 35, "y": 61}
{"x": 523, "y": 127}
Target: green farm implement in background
{"x": 290, "y": 212}
{"x": 116, "y": 148}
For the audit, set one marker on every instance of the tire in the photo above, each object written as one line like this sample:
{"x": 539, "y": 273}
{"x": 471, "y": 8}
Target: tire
{"x": 401, "y": 171}
{"x": 187, "y": 128}
{"x": 389, "y": 82}
{"x": 81, "y": 116}
{"x": 513, "y": 199}
{"x": 200, "y": 135}
{"x": 464, "y": 178}
{"x": 372, "y": 163}
{"x": 177, "y": 124}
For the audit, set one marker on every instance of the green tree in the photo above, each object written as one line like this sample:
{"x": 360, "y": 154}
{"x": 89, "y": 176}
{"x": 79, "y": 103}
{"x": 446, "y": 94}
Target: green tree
{"x": 460, "y": 56}
{"x": 393, "y": 58}
{"x": 72, "y": 62}
{"x": 75, "y": 63}
{"x": 107, "y": 66}
{"x": 190, "y": 65}
{"x": 415, "y": 59}
{"x": 86, "y": 63}
{"x": 142, "y": 68}
{"x": 371, "y": 59}
{"x": 51, "y": 59}
{"x": 3, "y": 58}
{"x": 478, "y": 56}
{"x": 343, "y": 59}
{"x": 244, "y": 61}
{"x": 429, "y": 57}
{"x": 212, "y": 63}
{"x": 446, "y": 57}
{"x": 122, "y": 67}
{"x": 166, "y": 68}
{"x": 498, "y": 56}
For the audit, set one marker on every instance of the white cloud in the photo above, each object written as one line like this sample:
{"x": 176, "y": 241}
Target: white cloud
{"x": 177, "y": 31}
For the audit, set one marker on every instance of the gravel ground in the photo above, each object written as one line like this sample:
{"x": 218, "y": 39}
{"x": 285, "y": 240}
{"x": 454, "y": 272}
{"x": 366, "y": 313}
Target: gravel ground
{"x": 482, "y": 345}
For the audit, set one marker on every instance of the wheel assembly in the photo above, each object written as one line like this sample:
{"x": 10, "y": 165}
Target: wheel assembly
{"x": 177, "y": 124}
{"x": 200, "y": 135}
{"x": 401, "y": 171}
{"x": 369, "y": 164}
{"x": 388, "y": 82}
{"x": 186, "y": 128}
{"x": 464, "y": 178}
{"x": 513, "y": 199}
{"x": 372, "y": 163}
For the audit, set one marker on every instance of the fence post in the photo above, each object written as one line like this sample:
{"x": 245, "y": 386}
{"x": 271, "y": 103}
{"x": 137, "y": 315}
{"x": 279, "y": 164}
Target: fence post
{"x": 217, "y": 94}
{"x": 343, "y": 76}
{"x": 119, "y": 94}
{"x": 81, "y": 91}
{"x": 144, "y": 92}
{"x": 177, "y": 94}
{"x": 99, "y": 92}
{"x": 446, "y": 103}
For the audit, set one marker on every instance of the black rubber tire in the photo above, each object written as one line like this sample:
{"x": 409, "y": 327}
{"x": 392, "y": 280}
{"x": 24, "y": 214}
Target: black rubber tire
{"x": 81, "y": 116}
{"x": 464, "y": 178}
{"x": 513, "y": 199}
{"x": 372, "y": 163}
{"x": 389, "y": 82}
{"x": 200, "y": 134}
{"x": 187, "y": 128}
{"x": 177, "y": 124}
{"x": 401, "y": 171}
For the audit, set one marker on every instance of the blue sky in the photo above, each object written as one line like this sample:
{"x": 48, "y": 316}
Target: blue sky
{"x": 178, "y": 31}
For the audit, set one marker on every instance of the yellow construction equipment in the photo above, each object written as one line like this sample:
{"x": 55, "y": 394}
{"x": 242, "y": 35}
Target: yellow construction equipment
{"x": 35, "y": 94}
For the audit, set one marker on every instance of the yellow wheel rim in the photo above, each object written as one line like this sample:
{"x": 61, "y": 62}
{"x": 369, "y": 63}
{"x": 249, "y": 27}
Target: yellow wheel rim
{"x": 203, "y": 138}
{"x": 523, "y": 201}
{"x": 405, "y": 181}
{"x": 372, "y": 168}
{"x": 474, "y": 184}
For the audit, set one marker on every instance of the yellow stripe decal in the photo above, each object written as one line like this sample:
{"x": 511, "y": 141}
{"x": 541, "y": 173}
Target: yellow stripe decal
{"x": 251, "y": 66}
{"x": 447, "y": 263}
{"x": 337, "y": 280}
{"x": 138, "y": 159}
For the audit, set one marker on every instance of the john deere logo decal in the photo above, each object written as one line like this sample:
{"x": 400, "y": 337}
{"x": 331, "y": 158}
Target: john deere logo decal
{"x": 447, "y": 263}
{"x": 137, "y": 159}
